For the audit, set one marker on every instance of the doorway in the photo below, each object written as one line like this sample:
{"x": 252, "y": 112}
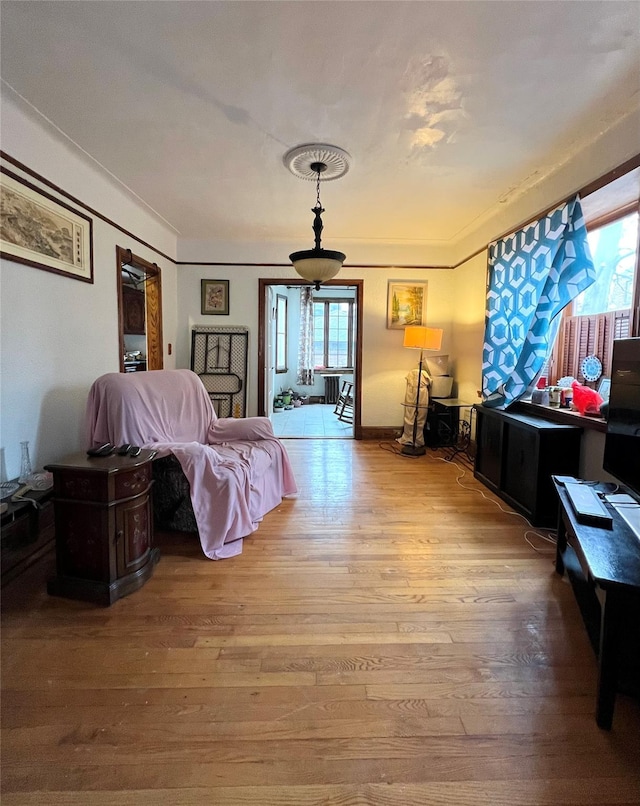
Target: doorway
{"x": 139, "y": 286}
{"x": 269, "y": 369}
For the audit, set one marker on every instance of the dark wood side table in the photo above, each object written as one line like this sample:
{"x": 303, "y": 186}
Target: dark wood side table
{"x": 446, "y": 427}
{"x": 104, "y": 526}
{"x": 603, "y": 566}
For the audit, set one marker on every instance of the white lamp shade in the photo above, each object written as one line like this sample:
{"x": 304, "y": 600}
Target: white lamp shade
{"x": 422, "y": 338}
{"x": 317, "y": 269}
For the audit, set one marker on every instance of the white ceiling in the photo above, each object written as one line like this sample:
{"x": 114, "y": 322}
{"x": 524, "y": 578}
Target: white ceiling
{"x": 448, "y": 109}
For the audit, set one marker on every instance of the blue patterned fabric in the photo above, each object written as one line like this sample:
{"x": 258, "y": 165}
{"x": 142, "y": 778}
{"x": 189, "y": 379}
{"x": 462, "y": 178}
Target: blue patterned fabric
{"x": 533, "y": 274}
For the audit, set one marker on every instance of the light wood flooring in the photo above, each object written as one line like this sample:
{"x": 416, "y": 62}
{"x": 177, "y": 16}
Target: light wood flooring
{"x": 310, "y": 420}
{"x": 386, "y": 637}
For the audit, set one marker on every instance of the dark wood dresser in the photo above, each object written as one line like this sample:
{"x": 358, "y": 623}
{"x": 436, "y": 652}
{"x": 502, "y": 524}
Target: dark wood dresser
{"x": 104, "y": 526}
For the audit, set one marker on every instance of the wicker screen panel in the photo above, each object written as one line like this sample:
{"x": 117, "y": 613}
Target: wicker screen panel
{"x": 219, "y": 356}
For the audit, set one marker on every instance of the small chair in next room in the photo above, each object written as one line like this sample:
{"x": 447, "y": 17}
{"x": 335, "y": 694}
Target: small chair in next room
{"x": 344, "y": 406}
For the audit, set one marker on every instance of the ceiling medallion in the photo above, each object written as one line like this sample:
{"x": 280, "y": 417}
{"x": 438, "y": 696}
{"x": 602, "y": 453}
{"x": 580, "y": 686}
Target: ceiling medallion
{"x": 299, "y": 161}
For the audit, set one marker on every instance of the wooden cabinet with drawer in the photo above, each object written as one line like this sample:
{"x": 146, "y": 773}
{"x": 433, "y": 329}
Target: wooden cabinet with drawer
{"x": 104, "y": 529}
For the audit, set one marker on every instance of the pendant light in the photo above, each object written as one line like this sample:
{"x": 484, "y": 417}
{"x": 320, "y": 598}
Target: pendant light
{"x": 317, "y": 161}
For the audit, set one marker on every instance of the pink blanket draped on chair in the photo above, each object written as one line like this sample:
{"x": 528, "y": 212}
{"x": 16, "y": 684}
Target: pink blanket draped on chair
{"x": 237, "y": 469}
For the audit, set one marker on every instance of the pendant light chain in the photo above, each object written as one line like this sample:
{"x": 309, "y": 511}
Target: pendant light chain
{"x": 317, "y": 265}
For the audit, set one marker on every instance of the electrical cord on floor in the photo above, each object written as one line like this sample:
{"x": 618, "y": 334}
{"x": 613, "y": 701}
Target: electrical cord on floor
{"x": 549, "y": 538}
{"x": 396, "y": 449}
{"x": 462, "y": 457}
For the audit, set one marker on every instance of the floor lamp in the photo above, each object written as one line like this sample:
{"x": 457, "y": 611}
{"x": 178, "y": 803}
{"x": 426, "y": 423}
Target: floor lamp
{"x": 419, "y": 338}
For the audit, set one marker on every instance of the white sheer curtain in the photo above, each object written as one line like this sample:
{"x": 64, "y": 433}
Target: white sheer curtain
{"x": 305, "y": 350}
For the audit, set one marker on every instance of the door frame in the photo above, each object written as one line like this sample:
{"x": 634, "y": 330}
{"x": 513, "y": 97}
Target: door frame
{"x": 263, "y": 323}
{"x": 153, "y": 306}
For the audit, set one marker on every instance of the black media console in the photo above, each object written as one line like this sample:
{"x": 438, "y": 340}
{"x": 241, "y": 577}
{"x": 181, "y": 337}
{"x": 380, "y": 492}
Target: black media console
{"x": 516, "y": 454}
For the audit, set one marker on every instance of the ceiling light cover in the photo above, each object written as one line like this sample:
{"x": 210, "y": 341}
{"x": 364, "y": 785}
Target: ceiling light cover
{"x": 317, "y": 266}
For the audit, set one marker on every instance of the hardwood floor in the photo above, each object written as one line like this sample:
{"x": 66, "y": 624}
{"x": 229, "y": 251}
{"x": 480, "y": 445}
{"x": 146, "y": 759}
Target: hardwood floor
{"x": 386, "y": 637}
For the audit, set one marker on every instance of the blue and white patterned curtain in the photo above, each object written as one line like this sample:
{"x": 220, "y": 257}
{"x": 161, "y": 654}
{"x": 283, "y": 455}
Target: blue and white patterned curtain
{"x": 305, "y": 375}
{"x": 533, "y": 274}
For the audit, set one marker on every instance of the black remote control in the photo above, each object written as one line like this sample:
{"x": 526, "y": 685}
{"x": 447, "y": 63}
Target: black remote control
{"x": 134, "y": 450}
{"x": 102, "y": 450}
{"x": 123, "y": 450}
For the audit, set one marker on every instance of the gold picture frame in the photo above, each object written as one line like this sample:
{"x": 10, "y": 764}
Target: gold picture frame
{"x": 406, "y": 304}
{"x": 214, "y": 297}
{"x": 39, "y": 230}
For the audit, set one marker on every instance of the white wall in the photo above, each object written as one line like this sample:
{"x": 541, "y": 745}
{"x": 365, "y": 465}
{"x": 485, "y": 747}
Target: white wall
{"x": 469, "y": 291}
{"x": 385, "y": 362}
{"x": 58, "y": 334}
{"x": 584, "y": 162}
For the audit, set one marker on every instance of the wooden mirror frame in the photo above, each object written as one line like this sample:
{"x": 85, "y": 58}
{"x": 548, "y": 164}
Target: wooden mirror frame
{"x": 153, "y": 306}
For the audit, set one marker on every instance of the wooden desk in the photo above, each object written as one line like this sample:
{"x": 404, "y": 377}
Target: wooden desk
{"x": 603, "y": 566}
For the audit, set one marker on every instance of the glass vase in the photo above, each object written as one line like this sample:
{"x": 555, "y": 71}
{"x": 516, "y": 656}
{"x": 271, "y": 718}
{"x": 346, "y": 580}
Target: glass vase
{"x": 25, "y": 463}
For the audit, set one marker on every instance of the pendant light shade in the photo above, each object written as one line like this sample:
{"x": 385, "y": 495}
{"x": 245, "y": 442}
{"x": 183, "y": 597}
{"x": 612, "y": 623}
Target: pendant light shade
{"x": 317, "y": 265}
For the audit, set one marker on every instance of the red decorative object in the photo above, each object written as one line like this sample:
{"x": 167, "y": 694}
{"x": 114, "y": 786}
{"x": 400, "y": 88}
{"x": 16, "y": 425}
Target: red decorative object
{"x": 586, "y": 400}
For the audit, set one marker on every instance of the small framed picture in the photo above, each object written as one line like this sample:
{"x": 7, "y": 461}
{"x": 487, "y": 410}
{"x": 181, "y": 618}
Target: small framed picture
{"x": 215, "y": 297}
{"x": 406, "y": 304}
{"x": 604, "y": 387}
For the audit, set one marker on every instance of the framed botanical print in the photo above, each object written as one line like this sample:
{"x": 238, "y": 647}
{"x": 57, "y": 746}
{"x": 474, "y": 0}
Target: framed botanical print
{"x": 215, "y": 297}
{"x": 406, "y": 304}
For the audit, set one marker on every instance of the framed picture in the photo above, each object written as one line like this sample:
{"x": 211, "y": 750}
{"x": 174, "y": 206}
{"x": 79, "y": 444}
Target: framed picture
{"x": 38, "y": 230}
{"x": 604, "y": 387}
{"x": 215, "y": 297}
{"x": 406, "y": 304}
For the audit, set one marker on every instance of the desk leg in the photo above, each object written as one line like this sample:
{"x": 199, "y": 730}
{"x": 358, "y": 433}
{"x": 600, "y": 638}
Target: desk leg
{"x": 607, "y": 659}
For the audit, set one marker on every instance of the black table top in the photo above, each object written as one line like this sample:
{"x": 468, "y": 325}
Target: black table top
{"x": 612, "y": 555}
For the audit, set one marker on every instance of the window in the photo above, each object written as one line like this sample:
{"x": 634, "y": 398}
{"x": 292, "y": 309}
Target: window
{"x": 333, "y": 331}
{"x": 281, "y": 333}
{"x": 604, "y": 311}
{"x": 613, "y": 249}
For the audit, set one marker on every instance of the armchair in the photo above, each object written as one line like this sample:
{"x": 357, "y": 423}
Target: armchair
{"x": 236, "y": 469}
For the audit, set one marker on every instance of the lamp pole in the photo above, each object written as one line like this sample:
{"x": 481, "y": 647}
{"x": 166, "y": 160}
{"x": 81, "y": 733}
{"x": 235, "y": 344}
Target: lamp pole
{"x": 414, "y": 449}
{"x": 425, "y": 338}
